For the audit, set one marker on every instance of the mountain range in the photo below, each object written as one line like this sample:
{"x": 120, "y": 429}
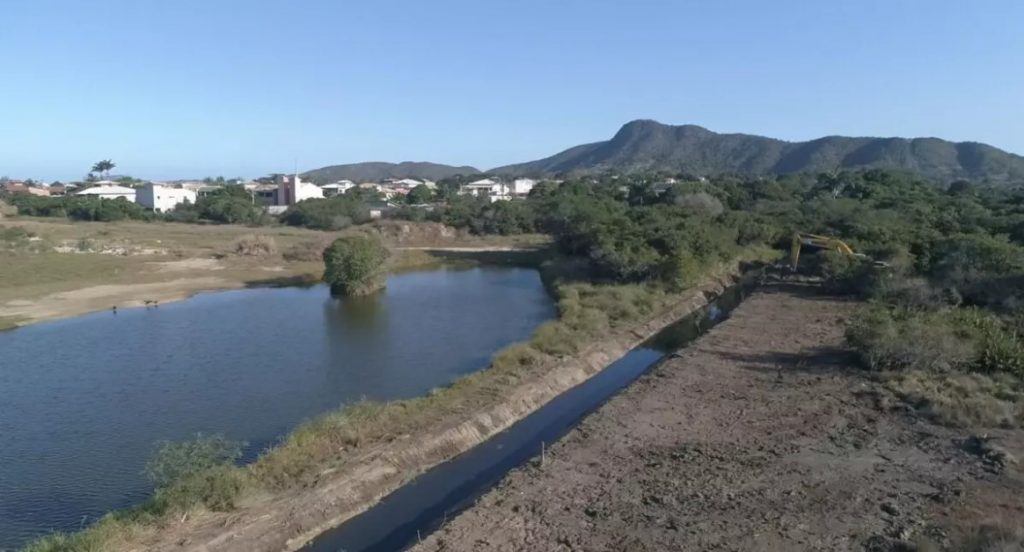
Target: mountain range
{"x": 646, "y": 145}
{"x": 649, "y": 145}
{"x": 376, "y": 171}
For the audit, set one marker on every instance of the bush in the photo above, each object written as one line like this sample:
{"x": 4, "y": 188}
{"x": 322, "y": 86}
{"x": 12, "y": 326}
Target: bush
{"x": 999, "y": 345}
{"x": 920, "y": 342}
{"x": 79, "y": 208}
{"x": 335, "y": 213}
{"x": 846, "y": 274}
{"x": 911, "y": 293}
{"x": 354, "y": 265}
{"x": 198, "y": 471}
{"x": 255, "y": 245}
{"x": 700, "y": 204}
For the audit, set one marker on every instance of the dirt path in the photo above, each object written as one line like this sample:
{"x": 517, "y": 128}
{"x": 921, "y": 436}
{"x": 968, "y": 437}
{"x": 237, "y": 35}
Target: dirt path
{"x": 761, "y": 436}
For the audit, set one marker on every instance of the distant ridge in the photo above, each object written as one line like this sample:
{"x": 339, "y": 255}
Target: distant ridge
{"x": 374, "y": 171}
{"x": 650, "y": 145}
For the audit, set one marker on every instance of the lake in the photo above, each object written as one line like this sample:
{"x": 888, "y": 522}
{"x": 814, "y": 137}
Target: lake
{"x": 83, "y": 400}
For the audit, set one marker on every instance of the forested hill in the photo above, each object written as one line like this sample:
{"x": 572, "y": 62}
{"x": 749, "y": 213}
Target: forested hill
{"x": 648, "y": 145}
{"x": 367, "y": 172}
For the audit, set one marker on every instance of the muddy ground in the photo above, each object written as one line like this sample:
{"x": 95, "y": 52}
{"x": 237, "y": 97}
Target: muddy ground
{"x": 760, "y": 436}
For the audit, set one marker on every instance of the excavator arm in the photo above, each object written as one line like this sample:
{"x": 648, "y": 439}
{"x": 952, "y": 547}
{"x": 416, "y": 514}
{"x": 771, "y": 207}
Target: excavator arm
{"x": 801, "y": 240}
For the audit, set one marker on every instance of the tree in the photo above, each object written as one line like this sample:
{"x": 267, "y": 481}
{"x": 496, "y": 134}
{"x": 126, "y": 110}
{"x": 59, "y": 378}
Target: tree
{"x": 355, "y": 265}
{"x": 419, "y": 195}
{"x": 103, "y": 167}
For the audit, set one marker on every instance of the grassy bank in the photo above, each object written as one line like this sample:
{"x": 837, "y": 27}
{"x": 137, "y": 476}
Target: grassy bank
{"x": 329, "y": 443}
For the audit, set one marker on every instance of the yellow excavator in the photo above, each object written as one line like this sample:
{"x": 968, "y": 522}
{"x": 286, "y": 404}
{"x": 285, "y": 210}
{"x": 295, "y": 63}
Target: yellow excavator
{"x": 801, "y": 240}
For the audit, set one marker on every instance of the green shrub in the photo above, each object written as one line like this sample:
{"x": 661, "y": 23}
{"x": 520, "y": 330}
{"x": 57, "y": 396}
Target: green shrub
{"x": 912, "y": 293}
{"x": 846, "y": 274}
{"x": 198, "y": 471}
{"x": 355, "y": 265}
{"x": 335, "y": 213}
{"x": 999, "y": 346}
{"x": 916, "y": 341}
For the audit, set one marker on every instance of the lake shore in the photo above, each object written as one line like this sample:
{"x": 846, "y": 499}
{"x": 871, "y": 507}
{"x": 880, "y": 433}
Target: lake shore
{"x": 74, "y": 268}
{"x": 336, "y": 474}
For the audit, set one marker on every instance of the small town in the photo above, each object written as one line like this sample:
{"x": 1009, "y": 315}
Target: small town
{"x": 275, "y": 193}
{"x": 532, "y": 276}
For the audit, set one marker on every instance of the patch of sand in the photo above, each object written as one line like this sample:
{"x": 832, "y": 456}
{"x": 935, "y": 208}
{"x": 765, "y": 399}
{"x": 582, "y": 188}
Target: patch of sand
{"x": 94, "y": 298}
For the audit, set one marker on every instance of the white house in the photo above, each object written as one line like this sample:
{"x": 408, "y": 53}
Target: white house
{"x": 109, "y": 192}
{"x": 407, "y": 182}
{"x": 339, "y": 187}
{"x": 522, "y": 186}
{"x": 488, "y": 187}
{"x": 162, "y": 198}
{"x": 291, "y": 190}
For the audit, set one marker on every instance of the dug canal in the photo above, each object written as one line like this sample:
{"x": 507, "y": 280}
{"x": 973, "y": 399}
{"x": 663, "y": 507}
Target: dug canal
{"x": 439, "y": 494}
{"x": 83, "y": 401}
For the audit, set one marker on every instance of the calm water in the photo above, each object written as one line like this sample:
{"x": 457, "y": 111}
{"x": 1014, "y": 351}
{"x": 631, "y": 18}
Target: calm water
{"x": 83, "y": 400}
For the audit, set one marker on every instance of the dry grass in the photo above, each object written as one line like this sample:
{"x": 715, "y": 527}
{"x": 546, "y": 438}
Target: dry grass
{"x": 254, "y": 245}
{"x": 963, "y": 399}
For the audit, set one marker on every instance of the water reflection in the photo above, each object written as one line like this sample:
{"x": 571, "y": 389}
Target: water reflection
{"x": 82, "y": 400}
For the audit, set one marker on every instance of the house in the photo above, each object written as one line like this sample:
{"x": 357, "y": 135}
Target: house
{"x": 487, "y": 187}
{"x": 291, "y": 190}
{"x": 336, "y": 188}
{"x": 107, "y": 191}
{"x": 522, "y": 186}
{"x": 264, "y": 194}
{"x": 205, "y": 190}
{"x": 161, "y": 199}
{"x": 407, "y": 182}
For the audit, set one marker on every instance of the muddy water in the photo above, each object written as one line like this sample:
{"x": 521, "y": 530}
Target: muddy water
{"x": 421, "y": 506}
{"x": 82, "y": 401}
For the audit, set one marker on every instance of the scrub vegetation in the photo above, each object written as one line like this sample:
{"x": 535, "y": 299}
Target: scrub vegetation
{"x": 354, "y": 265}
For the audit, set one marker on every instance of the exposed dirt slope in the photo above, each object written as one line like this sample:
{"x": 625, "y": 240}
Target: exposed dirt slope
{"x": 761, "y": 436}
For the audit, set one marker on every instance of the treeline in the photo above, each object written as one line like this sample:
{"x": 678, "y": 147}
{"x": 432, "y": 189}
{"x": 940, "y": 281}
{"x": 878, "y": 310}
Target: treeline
{"x": 229, "y": 205}
{"x": 948, "y": 302}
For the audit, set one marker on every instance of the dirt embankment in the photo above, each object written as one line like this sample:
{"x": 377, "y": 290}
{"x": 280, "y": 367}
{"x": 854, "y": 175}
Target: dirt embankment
{"x": 760, "y": 436}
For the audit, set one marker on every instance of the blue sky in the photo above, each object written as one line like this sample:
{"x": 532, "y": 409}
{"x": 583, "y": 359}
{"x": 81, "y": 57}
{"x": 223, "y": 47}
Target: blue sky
{"x": 193, "y": 88}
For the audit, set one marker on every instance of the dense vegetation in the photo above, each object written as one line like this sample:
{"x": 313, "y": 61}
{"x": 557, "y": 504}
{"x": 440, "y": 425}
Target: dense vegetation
{"x": 228, "y": 205}
{"x": 354, "y": 265}
{"x": 78, "y": 208}
{"x": 649, "y": 146}
{"x": 334, "y": 213}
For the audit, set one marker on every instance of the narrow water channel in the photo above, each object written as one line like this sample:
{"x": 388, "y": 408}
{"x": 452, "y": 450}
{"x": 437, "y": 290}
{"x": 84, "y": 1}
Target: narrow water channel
{"x": 83, "y": 400}
{"x": 422, "y": 505}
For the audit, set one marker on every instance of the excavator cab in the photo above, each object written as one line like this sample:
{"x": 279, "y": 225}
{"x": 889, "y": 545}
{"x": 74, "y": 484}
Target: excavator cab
{"x": 815, "y": 241}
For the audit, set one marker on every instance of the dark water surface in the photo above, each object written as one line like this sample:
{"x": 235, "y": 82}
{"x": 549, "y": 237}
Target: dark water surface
{"x": 82, "y": 401}
{"x": 420, "y": 507}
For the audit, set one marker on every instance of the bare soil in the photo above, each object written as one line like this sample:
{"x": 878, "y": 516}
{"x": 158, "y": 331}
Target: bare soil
{"x": 760, "y": 436}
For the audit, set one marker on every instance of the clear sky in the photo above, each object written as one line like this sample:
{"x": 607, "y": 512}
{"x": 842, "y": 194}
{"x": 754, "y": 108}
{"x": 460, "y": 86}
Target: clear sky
{"x": 191, "y": 88}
